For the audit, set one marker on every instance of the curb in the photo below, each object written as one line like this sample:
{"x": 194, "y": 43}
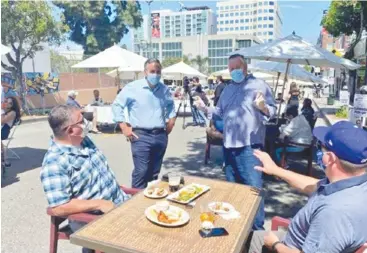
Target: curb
{"x": 28, "y": 121}
{"x": 322, "y": 113}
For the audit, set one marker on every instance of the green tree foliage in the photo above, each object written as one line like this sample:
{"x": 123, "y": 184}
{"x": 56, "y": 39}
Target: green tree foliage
{"x": 201, "y": 63}
{"x": 346, "y": 17}
{"x": 97, "y": 25}
{"x": 25, "y": 26}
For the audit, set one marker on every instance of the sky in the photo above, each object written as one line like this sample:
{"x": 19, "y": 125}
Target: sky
{"x": 303, "y": 17}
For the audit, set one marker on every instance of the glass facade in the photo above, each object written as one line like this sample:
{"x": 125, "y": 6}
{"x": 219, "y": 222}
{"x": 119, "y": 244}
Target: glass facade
{"x": 171, "y": 49}
{"x": 143, "y": 49}
{"x": 218, "y": 51}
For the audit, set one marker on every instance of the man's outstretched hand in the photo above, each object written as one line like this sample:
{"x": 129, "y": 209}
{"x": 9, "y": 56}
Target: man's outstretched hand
{"x": 269, "y": 167}
{"x": 199, "y": 104}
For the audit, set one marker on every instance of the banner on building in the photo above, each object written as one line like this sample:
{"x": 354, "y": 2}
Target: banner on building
{"x": 360, "y": 105}
{"x": 156, "y": 19}
{"x": 344, "y": 97}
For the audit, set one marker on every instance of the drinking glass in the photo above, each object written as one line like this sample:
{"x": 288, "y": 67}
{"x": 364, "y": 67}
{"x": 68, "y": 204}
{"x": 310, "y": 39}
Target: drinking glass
{"x": 207, "y": 218}
{"x": 174, "y": 179}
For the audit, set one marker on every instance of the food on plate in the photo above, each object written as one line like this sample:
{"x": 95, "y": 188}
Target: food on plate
{"x": 169, "y": 216}
{"x": 161, "y": 206}
{"x": 219, "y": 207}
{"x": 188, "y": 193}
{"x": 156, "y": 192}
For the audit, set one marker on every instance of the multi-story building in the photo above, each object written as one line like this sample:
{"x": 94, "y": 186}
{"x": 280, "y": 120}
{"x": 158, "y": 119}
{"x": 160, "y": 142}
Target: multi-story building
{"x": 215, "y": 47}
{"x": 170, "y": 24}
{"x": 250, "y": 17}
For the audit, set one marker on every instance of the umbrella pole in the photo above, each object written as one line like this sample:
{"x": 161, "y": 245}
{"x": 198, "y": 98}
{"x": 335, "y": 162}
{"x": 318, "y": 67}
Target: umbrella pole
{"x": 285, "y": 80}
{"x": 117, "y": 79}
{"x": 99, "y": 77}
{"x": 276, "y": 85}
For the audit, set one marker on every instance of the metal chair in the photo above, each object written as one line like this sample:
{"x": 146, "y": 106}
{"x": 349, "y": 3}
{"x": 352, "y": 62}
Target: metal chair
{"x": 63, "y": 233}
{"x": 277, "y": 222}
{"x": 7, "y": 150}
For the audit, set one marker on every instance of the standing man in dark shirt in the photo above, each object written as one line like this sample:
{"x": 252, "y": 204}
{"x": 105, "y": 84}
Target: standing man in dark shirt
{"x": 220, "y": 87}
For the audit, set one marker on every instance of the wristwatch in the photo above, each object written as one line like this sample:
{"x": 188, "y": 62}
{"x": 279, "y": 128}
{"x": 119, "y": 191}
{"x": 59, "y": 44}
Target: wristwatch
{"x": 274, "y": 245}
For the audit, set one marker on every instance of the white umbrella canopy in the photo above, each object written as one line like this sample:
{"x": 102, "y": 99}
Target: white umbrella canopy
{"x": 294, "y": 50}
{"x": 5, "y": 49}
{"x": 181, "y": 69}
{"x": 294, "y": 72}
{"x": 114, "y": 57}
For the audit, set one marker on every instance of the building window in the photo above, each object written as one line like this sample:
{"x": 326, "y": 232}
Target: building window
{"x": 231, "y": 7}
{"x": 231, "y": 21}
{"x": 246, "y": 13}
{"x": 231, "y": 29}
{"x": 227, "y": 14}
{"x": 254, "y": 27}
{"x": 255, "y": 12}
{"x": 271, "y": 3}
{"x": 172, "y": 49}
{"x": 217, "y": 53}
{"x": 271, "y": 18}
{"x": 265, "y": 18}
{"x": 227, "y": 28}
{"x": 259, "y": 26}
{"x": 247, "y": 6}
{"x": 260, "y": 4}
{"x": 271, "y": 26}
{"x": 236, "y": 7}
{"x": 246, "y": 20}
{"x": 237, "y": 14}
{"x": 242, "y": 6}
{"x": 270, "y": 33}
{"x": 265, "y": 26}
{"x": 258, "y": 33}
{"x": 236, "y": 21}
{"x": 246, "y": 27}
{"x": 221, "y": 15}
{"x": 236, "y": 28}
{"x": 227, "y": 21}
{"x": 242, "y": 28}
{"x": 254, "y": 5}
{"x": 260, "y": 11}
{"x": 270, "y": 40}
{"x": 242, "y": 13}
{"x": 265, "y": 10}
{"x": 259, "y": 18}
{"x": 264, "y": 33}
{"x": 265, "y": 3}
{"x": 231, "y": 14}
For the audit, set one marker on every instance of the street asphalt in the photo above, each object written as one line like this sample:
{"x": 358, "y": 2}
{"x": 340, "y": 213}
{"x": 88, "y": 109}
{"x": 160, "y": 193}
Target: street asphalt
{"x": 25, "y": 225}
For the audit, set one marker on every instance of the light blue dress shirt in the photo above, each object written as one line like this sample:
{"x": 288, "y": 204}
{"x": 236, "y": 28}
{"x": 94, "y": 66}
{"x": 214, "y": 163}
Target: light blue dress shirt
{"x": 244, "y": 124}
{"x": 334, "y": 218}
{"x": 147, "y": 108}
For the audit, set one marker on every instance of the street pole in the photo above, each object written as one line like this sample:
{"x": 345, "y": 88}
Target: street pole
{"x": 150, "y": 28}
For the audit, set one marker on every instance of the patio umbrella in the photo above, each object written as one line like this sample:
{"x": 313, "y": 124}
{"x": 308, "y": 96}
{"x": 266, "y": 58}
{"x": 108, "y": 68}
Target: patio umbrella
{"x": 181, "y": 69}
{"x": 293, "y": 50}
{"x": 5, "y": 49}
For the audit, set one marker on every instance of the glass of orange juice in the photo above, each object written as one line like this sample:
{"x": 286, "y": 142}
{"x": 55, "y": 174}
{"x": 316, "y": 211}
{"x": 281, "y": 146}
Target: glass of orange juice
{"x": 207, "y": 218}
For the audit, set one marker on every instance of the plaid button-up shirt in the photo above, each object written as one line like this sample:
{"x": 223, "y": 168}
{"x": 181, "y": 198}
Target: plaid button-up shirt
{"x": 70, "y": 172}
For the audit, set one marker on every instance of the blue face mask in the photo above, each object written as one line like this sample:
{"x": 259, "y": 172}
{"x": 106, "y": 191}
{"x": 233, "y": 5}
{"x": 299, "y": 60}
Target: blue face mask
{"x": 319, "y": 155}
{"x": 153, "y": 79}
{"x": 237, "y": 75}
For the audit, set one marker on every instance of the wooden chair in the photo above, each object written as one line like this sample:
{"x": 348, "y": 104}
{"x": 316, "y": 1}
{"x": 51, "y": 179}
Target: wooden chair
{"x": 308, "y": 150}
{"x": 277, "y": 222}
{"x": 63, "y": 233}
{"x": 213, "y": 137}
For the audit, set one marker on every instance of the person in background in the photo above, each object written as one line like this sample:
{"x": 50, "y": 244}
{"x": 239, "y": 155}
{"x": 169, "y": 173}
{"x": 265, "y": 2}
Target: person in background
{"x": 200, "y": 116}
{"x": 308, "y": 111}
{"x": 89, "y": 116}
{"x": 75, "y": 175}
{"x": 293, "y": 95}
{"x": 298, "y": 130}
{"x": 245, "y": 104}
{"x": 97, "y": 100}
{"x": 279, "y": 98}
{"x": 10, "y": 116}
{"x": 219, "y": 89}
{"x": 334, "y": 217}
{"x": 152, "y": 116}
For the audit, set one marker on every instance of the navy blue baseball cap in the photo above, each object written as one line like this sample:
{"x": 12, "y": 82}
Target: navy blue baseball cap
{"x": 345, "y": 140}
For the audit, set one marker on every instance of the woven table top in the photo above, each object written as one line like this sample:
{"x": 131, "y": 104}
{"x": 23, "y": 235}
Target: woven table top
{"x": 126, "y": 229}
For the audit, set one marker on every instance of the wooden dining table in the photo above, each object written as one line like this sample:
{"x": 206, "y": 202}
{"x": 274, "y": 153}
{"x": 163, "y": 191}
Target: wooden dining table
{"x": 126, "y": 228}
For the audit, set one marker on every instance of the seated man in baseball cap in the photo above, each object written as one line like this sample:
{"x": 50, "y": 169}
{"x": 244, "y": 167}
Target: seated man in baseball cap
{"x": 335, "y": 217}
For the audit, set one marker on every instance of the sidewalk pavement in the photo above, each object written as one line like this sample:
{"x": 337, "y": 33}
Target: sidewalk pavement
{"x": 33, "y": 118}
{"x": 328, "y": 111}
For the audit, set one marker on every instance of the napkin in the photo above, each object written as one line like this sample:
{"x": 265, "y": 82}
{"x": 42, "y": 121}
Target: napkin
{"x": 231, "y": 215}
{"x": 152, "y": 183}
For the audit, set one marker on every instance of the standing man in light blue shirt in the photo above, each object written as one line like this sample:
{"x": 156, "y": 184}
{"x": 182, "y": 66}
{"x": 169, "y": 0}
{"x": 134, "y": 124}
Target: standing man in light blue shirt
{"x": 151, "y": 117}
{"x": 244, "y": 105}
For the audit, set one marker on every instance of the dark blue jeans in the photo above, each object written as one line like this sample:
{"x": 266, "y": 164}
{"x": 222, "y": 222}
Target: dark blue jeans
{"x": 198, "y": 117}
{"x": 148, "y": 152}
{"x": 239, "y": 168}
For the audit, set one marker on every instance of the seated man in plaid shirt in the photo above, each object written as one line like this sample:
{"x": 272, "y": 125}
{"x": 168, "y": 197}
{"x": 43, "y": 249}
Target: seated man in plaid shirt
{"x": 75, "y": 174}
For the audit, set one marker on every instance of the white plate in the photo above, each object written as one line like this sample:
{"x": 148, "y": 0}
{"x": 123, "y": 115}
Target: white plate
{"x": 224, "y": 205}
{"x": 154, "y": 196}
{"x": 152, "y": 216}
{"x": 172, "y": 197}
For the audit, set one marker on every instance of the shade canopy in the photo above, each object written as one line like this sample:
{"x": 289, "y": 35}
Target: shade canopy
{"x": 5, "y": 49}
{"x": 114, "y": 57}
{"x": 294, "y": 50}
{"x": 181, "y": 69}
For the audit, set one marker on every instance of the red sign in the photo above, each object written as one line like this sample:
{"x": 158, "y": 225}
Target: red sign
{"x": 156, "y": 19}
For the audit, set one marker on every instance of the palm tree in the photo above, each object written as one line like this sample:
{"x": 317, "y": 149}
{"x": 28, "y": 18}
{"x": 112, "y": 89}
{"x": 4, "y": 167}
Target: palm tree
{"x": 201, "y": 63}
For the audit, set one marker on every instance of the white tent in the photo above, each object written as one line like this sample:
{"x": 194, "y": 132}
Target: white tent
{"x": 5, "y": 49}
{"x": 114, "y": 57}
{"x": 181, "y": 69}
{"x": 292, "y": 49}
